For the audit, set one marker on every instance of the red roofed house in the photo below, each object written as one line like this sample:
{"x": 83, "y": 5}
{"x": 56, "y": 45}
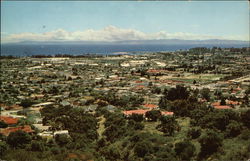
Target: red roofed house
{"x": 229, "y": 102}
{"x": 25, "y": 128}
{"x": 217, "y": 105}
{"x": 9, "y": 120}
{"x": 150, "y": 106}
{"x": 166, "y": 113}
{"x": 130, "y": 112}
{"x": 223, "y": 107}
{"x": 143, "y": 112}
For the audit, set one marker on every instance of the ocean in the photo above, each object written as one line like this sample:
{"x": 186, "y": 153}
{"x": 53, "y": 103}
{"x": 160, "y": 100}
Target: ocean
{"x": 21, "y": 50}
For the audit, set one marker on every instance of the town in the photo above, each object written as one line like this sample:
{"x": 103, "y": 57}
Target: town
{"x": 123, "y": 106}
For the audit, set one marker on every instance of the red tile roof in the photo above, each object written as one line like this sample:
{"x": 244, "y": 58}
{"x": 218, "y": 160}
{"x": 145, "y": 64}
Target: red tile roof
{"x": 130, "y": 112}
{"x": 7, "y": 131}
{"x": 9, "y": 120}
{"x": 216, "y": 104}
{"x": 222, "y": 107}
{"x": 139, "y": 87}
{"x": 233, "y": 102}
{"x": 150, "y": 106}
{"x": 143, "y": 112}
{"x": 167, "y": 113}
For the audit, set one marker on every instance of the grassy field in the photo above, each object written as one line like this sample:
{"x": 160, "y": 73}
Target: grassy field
{"x": 203, "y": 78}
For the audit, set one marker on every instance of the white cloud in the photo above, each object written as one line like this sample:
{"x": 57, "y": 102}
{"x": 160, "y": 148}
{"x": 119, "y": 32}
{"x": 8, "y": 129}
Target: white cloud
{"x": 109, "y": 33}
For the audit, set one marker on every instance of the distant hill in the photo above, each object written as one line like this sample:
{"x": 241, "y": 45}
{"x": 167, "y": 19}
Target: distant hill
{"x": 152, "y": 42}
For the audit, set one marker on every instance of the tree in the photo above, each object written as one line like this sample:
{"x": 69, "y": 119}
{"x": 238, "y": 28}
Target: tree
{"x": 3, "y": 147}
{"x": 185, "y": 150}
{"x": 180, "y": 92}
{"x": 26, "y": 103}
{"x": 62, "y": 139}
{"x": 153, "y": 115}
{"x": 245, "y": 118}
{"x": 3, "y": 124}
{"x": 182, "y": 107}
{"x": 142, "y": 148}
{"x": 223, "y": 101}
{"x": 210, "y": 141}
{"x": 18, "y": 139}
{"x": 37, "y": 146}
{"x": 205, "y": 93}
{"x": 156, "y": 90}
{"x": 234, "y": 129}
{"x": 194, "y": 132}
{"x": 136, "y": 117}
{"x": 168, "y": 125}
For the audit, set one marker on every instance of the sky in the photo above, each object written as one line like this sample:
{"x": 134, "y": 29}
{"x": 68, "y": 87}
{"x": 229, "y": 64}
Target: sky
{"x": 124, "y": 20}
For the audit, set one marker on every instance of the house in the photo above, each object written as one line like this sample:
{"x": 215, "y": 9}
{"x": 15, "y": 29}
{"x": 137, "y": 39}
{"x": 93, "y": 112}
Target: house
{"x": 217, "y": 105}
{"x": 130, "y": 112}
{"x": 61, "y": 132}
{"x": 25, "y": 128}
{"x": 46, "y": 134}
{"x": 41, "y": 127}
{"x": 150, "y": 106}
{"x": 167, "y": 113}
{"x": 143, "y": 112}
{"x": 222, "y": 107}
{"x": 9, "y": 120}
{"x": 229, "y": 102}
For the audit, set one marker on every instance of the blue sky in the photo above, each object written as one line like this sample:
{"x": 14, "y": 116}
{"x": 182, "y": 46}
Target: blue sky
{"x": 113, "y": 20}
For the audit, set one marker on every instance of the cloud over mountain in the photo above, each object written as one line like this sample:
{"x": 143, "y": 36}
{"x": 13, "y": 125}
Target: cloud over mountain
{"x": 109, "y": 33}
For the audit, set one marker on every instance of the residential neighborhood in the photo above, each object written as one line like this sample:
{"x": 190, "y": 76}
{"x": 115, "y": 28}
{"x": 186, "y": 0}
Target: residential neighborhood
{"x": 136, "y": 90}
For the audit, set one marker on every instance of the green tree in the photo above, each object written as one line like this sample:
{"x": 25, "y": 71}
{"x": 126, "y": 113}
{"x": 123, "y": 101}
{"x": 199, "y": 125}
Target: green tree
{"x": 180, "y": 92}
{"x": 210, "y": 141}
{"x": 153, "y": 115}
{"x": 136, "y": 117}
{"x": 18, "y": 139}
{"x": 223, "y": 101}
{"x": 37, "y": 146}
{"x": 168, "y": 125}
{"x": 3, "y": 124}
{"x": 142, "y": 148}
{"x": 205, "y": 93}
{"x": 233, "y": 129}
{"x": 3, "y": 148}
{"x": 185, "y": 150}
{"x": 194, "y": 132}
{"x": 27, "y": 103}
{"x": 245, "y": 118}
{"x": 62, "y": 139}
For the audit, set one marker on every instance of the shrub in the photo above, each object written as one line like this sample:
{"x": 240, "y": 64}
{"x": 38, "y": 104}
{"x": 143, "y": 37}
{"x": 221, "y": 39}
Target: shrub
{"x": 136, "y": 117}
{"x": 37, "y": 146}
{"x": 3, "y": 147}
{"x": 3, "y": 124}
{"x": 185, "y": 150}
{"x": 26, "y": 103}
{"x": 18, "y": 139}
{"x": 194, "y": 132}
{"x": 62, "y": 139}
{"x": 168, "y": 125}
{"x": 142, "y": 148}
{"x": 153, "y": 115}
{"x": 210, "y": 142}
{"x": 245, "y": 134}
{"x": 234, "y": 129}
